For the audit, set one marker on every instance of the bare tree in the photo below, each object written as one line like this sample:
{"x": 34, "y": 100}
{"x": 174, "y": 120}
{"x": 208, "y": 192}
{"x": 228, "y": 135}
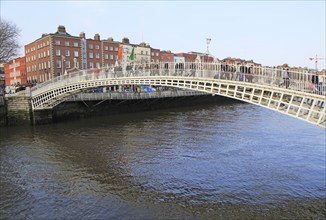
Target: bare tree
{"x": 9, "y": 45}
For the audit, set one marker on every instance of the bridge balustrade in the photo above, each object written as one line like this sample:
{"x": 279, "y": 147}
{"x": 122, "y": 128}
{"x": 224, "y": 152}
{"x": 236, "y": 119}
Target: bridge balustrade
{"x": 263, "y": 86}
{"x": 299, "y": 80}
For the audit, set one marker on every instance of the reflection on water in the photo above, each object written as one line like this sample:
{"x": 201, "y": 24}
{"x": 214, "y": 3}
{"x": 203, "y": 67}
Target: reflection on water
{"x": 214, "y": 161}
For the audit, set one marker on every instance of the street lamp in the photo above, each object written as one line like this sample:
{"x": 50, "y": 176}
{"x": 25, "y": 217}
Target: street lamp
{"x": 208, "y": 41}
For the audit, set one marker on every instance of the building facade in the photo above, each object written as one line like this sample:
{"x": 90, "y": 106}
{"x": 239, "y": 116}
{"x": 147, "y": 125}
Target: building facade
{"x": 60, "y": 53}
{"x": 187, "y": 56}
{"x": 166, "y": 56}
{"x": 155, "y": 55}
{"x": 143, "y": 53}
{"x": 109, "y": 52}
{"x": 15, "y": 72}
{"x": 52, "y": 55}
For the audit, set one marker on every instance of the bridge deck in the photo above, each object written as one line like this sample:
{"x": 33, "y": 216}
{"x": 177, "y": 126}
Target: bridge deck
{"x": 259, "y": 86}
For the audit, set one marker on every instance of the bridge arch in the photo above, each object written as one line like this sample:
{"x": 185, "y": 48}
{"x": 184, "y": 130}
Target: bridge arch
{"x": 261, "y": 91}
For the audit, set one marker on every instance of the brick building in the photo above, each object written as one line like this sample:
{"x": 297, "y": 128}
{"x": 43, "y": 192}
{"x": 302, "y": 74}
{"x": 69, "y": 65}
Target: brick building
{"x": 192, "y": 56}
{"x": 52, "y": 55}
{"x": 166, "y": 56}
{"x": 60, "y": 53}
{"x": 109, "y": 52}
{"x": 188, "y": 56}
{"x": 94, "y": 52}
{"x": 15, "y": 72}
{"x": 155, "y": 55}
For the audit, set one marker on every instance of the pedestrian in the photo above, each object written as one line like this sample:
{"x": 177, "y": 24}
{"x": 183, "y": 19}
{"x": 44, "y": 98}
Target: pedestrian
{"x": 96, "y": 72}
{"x": 320, "y": 84}
{"x": 285, "y": 76}
{"x": 315, "y": 82}
{"x": 238, "y": 75}
{"x": 250, "y": 73}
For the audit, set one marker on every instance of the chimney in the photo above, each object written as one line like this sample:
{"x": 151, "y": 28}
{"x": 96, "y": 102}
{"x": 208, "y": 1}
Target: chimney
{"x": 82, "y": 35}
{"x": 96, "y": 37}
{"x": 61, "y": 29}
{"x": 125, "y": 40}
{"x": 110, "y": 39}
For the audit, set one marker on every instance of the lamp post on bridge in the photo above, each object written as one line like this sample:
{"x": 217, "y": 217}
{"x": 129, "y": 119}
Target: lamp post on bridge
{"x": 208, "y": 41}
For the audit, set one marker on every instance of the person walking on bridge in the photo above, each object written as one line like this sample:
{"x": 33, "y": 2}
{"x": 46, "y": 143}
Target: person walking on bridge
{"x": 285, "y": 76}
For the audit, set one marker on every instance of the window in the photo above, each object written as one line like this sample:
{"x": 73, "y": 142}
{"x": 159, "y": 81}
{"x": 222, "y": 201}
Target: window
{"x": 48, "y": 53}
{"x": 66, "y": 43}
{"x": 146, "y": 52}
{"x": 98, "y": 65}
{"x": 57, "y": 52}
{"x": 116, "y": 57}
{"x": 75, "y": 44}
{"x": 106, "y": 47}
{"x": 111, "y": 56}
{"x": 49, "y": 64}
{"x": 97, "y": 55}
{"x": 58, "y": 63}
{"x": 67, "y": 53}
{"x": 90, "y": 46}
{"x": 97, "y": 47}
{"x": 44, "y": 65}
{"x": 90, "y": 55}
{"x": 67, "y": 64}
{"x": 91, "y": 65}
{"x": 47, "y": 43}
{"x": 115, "y": 49}
{"x": 75, "y": 53}
{"x": 57, "y": 42}
{"x": 111, "y": 48}
{"x": 106, "y": 56}
{"x": 152, "y": 53}
{"x": 44, "y": 54}
{"x": 157, "y": 54}
{"x": 141, "y": 52}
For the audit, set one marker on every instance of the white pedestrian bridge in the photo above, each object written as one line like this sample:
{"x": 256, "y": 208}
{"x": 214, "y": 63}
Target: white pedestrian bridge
{"x": 261, "y": 86}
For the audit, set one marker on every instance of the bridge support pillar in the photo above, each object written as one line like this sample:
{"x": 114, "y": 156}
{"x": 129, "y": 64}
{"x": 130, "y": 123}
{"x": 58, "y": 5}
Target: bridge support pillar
{"x": 19, "y": 109}
{"x": 42, "y": 116}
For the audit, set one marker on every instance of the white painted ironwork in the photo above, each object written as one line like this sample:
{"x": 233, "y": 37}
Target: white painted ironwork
{"x": 257, "y": 85}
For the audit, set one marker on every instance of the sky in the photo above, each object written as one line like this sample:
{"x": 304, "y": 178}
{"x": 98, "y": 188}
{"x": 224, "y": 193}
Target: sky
{"x": 269, "y": 32}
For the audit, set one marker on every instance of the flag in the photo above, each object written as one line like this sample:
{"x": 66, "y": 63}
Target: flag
{"x": 132, "y": 55}
{"x": 120, "y": 53}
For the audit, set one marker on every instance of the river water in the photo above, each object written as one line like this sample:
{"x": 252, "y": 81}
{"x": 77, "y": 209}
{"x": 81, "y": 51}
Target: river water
{"x": 215, "y": 161}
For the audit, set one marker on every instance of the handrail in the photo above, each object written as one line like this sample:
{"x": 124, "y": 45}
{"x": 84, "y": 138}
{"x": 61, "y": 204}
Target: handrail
{"x": 298, "y": 80}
